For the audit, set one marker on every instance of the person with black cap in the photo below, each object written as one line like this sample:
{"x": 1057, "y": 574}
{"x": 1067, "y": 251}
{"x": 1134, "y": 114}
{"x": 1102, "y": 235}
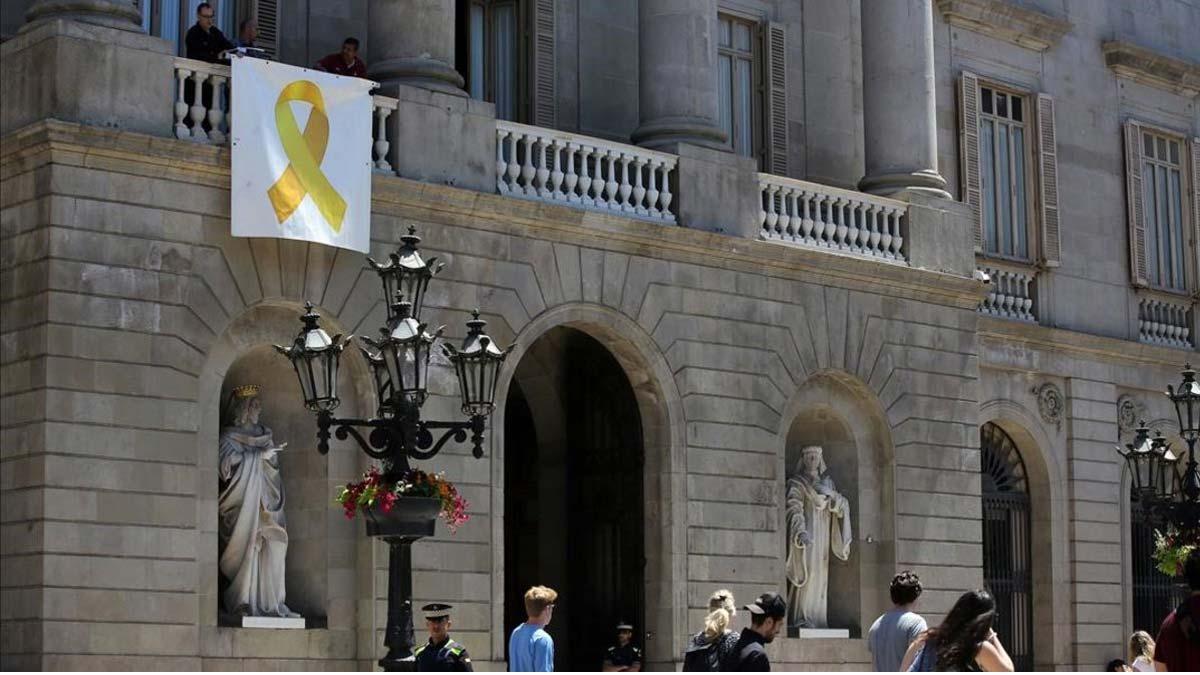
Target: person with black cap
{"x": 441, "y": 654}
{"x": 623, "y": 657}
{"x": 767, "y": 616}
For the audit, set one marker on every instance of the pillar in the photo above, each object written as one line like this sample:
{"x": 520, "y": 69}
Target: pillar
{"x": 412, "y": 42}
{"x": 120, "y": 14}
{"x": 899, "y": 101}
{"x": 677, "y": 69}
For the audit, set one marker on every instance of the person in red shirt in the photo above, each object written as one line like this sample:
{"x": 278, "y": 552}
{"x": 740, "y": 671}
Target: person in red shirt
{"x": 1178, "y": 645}
{"x": 345, "y": 62}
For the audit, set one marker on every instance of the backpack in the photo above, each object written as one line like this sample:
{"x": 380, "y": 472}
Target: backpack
{"x": 702, "y": 658}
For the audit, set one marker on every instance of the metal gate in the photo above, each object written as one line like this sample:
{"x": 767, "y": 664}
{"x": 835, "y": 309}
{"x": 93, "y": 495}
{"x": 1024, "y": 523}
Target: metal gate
{"x": 1154, "y": 593}
{"x": 1007, "y": 570}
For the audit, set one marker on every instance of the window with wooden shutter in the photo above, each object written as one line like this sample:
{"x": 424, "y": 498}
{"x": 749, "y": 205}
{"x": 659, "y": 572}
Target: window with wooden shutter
{"x": 738, "y": 90}
{"x": 1051, "y": 248}
{"x": 968, "y": 141}
{"x": 544, "y": 99}
{"x": 1161, "y": 238}
{"x": 775, "y": 50}
{"x": 1195, "y": 154}
{"x": 1133, "y": 202}
{"x": 266, "y": 14}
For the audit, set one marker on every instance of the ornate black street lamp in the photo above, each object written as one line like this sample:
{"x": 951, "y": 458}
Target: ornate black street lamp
{"x": 399, "y": 361}
{"x": 1154, "y": 478}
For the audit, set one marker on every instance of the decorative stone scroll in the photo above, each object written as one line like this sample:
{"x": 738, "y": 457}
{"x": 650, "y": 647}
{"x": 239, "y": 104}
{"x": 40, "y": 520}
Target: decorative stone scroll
{"x": 1129, "y": 411}
{"x": 1050, "y": 403}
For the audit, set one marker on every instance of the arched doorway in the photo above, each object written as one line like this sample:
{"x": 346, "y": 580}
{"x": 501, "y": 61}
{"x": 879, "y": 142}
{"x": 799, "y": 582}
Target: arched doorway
{"x": 573, "y": 493}
{"x": 1007, "y": 559}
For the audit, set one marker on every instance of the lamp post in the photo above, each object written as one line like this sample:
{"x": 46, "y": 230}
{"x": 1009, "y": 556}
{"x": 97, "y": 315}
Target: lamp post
{"x": 1155, "y": 480}
{"x": 399, "y": 361}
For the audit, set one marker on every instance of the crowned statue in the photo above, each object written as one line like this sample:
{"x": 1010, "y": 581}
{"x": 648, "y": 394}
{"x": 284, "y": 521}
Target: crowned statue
{"x": 818, "y": 523}
{"x": 252, "y": 528}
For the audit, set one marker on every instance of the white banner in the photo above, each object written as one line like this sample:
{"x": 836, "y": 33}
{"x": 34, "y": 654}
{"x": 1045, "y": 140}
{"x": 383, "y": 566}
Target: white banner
{"x": 301, "y": 154}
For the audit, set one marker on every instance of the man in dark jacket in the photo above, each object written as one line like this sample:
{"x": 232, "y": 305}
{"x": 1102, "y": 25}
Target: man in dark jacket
{"x": 205, "y": 42}
{"x": 767, "y": 616}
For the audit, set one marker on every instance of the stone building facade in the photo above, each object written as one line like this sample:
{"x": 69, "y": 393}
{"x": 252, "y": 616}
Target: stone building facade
{"x": 708, "y": 273}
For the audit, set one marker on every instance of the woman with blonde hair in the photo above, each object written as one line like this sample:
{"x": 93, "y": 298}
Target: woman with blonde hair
{"x": 1141, "y": 652}
{"x": 710, "y": 646}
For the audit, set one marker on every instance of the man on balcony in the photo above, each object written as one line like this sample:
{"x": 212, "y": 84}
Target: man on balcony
{"x": 205, "y": 42}
{"x": 345, "y": 62}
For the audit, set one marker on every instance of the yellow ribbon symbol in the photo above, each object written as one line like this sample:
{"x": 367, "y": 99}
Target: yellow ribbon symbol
{"x": 303, "y": 175}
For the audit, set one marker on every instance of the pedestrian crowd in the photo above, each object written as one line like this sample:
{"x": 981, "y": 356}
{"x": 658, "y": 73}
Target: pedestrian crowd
{"x": 899, "y": 640}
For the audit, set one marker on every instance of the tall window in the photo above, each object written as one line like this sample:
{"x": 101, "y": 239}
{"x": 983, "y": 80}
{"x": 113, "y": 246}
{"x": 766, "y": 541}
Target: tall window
{"x": 1163, "y": 204}
{"x": 738, "y": 70}
{"x": 493, "y": 67}
{"x": 1004, "y": 179}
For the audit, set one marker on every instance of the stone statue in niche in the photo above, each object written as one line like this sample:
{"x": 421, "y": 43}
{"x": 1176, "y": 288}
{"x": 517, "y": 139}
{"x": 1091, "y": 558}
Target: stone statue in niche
{"x": 251, "y": 523}
{"x": 818, "y": 523}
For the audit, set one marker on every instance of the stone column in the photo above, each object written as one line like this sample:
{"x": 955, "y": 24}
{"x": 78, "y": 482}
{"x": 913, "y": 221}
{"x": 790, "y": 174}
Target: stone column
{"x": 677, "y": 70}
{"x": 412, "y": 42}
{"x": 111, "y": 13}
{"x": 899, "y": 103}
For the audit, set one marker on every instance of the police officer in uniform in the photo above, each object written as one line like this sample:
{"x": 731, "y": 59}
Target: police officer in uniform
{"x": 623, "y": 657}
{"x": 441, "y": 653}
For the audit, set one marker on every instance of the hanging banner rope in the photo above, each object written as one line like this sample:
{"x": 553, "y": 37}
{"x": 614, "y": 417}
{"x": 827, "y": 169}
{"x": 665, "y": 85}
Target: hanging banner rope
{"x": 305, "y": 151}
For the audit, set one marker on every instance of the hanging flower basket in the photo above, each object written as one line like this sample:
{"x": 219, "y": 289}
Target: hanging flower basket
{"x": 407, "y": 505}
{"x": 409, "y": 516}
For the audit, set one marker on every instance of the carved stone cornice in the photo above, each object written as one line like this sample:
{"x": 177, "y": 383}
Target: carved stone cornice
{"x": 1152, "y": 68}
{"x": 1006, "y": 21}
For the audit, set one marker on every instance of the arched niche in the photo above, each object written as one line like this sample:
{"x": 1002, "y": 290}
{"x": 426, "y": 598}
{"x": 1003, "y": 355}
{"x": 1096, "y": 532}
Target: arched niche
{"x": 836, "y": 411}
{"x": 323, "y": 547}
{"x": 1049, "y": 559}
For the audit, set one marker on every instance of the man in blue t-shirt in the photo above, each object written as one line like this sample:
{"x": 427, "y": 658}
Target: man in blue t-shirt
{"x": 530, "y": 648}
{"x": 892, "y": 633}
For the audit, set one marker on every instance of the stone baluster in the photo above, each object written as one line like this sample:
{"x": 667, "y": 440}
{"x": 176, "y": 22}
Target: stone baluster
{"x": 527, "y": 169}
{"x": 542, "y": 174}
{"x": 181, "y": 106}
{"x": 652, "y": 191}
{"x": 598, "y": 182}
{"x": 571, "y": 179}
{"x": 898, "y": 235}
{"x": 382, "y": 145}
{"x": 501, "y": 163}
{"x": 626, "y": 187}
{"x": 556, "y": 174}
{"x": 514, "y": 166}
{"x": 665, "y": 196}
{"x": 198, "y": 111}
{"x": 585, "y": 176}
{"x": 216, "y": 113}
{"x": 885, "y": 241}
{"x": 794, "y": 207}
{"x": 772, "y": 214}
{"x": 806, "y": 222}
{"x": 611, "y": 185}
{"x": 639, "y": 190}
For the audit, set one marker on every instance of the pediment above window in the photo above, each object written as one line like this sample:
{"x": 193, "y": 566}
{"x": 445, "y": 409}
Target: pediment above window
{"x": 1007, "y": 21}
{"x": 1152, "y": 68}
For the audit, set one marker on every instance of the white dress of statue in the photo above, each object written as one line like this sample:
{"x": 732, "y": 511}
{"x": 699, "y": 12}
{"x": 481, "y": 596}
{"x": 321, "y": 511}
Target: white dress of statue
{"x": 818, "y": 522}
{"x": 252, "y": 528}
